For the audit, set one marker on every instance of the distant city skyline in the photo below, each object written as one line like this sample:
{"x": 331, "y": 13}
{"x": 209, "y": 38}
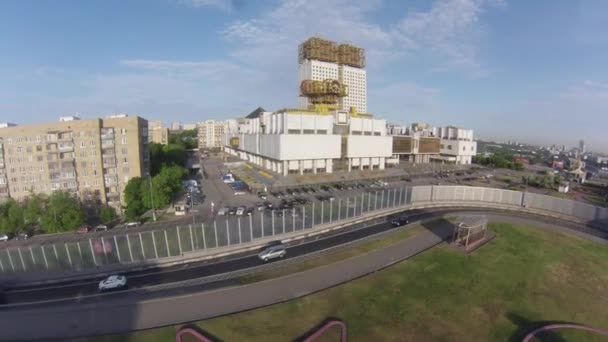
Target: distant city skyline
{"x": 529, "y": 71}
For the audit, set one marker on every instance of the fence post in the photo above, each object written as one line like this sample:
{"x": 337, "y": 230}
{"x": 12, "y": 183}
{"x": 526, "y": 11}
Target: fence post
{"x": 362, "y": 201}
{"x": 262, "y": 221}
{"x": 369, "y": 201}
{"x": 312, "y": 222}
{"x": 46, "y": 262}
{"x": 303, "y": 217}
{"x": 293, "y": 219}
{"x": 92, "y": 252}
{"x": 195, "y": 237}
{"x": 67, "y": 251}
{"x": 141, "y": 246}
{"x": 272, "y": 219}
{"x": 355, "y": 207}
{"x": 215, "y": 231}
{"x": 283, "y": 220}
{"x": 167, "y": 243}
{"x": 376, "y": 200}
{"x": 105, "y": 253}
{"x": 179, "y": 240}
{"x": 238, "y": 220}
{"x": 382, "y": 201}
{"x": 322, "y": 205}
{"x": 227, "y": 233}
{"x": 339, "y": 207}
{"x": 204, "y": 239}
{"x": 250, "y": 228}
{"x": 21, "y": 257}
{"x": 331, "y": 208}
{"x": 154, "y": 243}
{"x": 129, "y": 247}
{"x": 117, "y": 250}
{"x": 191, "y": 238}
{"x": 394, "y": 197}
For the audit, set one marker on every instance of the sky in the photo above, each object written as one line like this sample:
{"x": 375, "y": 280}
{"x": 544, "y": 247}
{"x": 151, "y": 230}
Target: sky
{"x": 534, "y": 71}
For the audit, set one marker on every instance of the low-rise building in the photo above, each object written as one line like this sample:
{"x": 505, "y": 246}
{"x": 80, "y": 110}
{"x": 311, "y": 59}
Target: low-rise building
{"x": 298, "y": 141}
{"x": 457, "y": 144}
{"x": 415, "y": 143}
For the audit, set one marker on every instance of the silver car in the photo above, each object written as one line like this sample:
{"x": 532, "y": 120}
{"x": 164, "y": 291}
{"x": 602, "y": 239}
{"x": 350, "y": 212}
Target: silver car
{"x": 273, "y": 252}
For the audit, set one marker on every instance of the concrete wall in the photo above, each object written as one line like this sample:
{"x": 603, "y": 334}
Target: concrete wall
{"x": 298, "y": 147}
{"x": 360, "y": 146}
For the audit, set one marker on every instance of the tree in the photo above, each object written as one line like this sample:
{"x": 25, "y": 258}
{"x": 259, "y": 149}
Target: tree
{"x": 187, "y": 138}
{"x": 63, "y": 213}
{"x": 156, "y": 157}
{"x": 165, "y": 186}
{"x": 11, "y": 217}
{"x": 133, "y": 198}
{"x": 518, "y": 166}
{"x": 34, "y": 209}
{"x": 107, "y": 214}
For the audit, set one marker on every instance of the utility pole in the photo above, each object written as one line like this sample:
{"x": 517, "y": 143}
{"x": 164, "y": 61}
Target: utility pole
{"x": 152, "y": 198}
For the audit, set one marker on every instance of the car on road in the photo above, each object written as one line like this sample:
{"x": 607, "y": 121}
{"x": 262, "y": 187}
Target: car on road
{"x": 83, "y": 229}
{"x": 100, "y": 228}
{"x": 273, "y": 252}
{"x": 113, "y": 282}
{"x": 223, "y": 211}
{"x": 400, "y": 221}
{"x": 263, "y": 195}
{"x": 3, "y": 237}
{"x": 131, "y": 224}
{"x": 240, "y": 211}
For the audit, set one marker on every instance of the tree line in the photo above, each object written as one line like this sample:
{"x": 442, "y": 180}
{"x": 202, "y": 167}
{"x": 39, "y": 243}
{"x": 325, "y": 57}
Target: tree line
{"x": 499, "y": 160}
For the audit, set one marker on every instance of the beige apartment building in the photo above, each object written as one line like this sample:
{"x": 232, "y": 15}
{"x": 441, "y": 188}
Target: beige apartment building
{"x": 159, "y": 135}
{"x": 211, "y": 134}
{"x": 92, "y": 158}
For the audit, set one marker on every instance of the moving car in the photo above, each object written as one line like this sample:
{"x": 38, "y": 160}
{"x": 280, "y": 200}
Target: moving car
{"x": 100, "y": 228}
{"x": 400, "y": 221}
{"x": 131, "y": 224}
{"x": 83, "y": 229}
{"x": 240, "y": 211}
{"x": 3, "y": 237}
{"x": 273, "y": 252}
{"x": 113, "y": 282}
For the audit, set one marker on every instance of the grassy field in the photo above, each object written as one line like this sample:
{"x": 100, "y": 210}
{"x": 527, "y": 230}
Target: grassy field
{"x": 521, "y": 278}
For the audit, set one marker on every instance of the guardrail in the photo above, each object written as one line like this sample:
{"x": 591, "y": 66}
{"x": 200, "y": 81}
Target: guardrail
{"x": 122, "y": 248}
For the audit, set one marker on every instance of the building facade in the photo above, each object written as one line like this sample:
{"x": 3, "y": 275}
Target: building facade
{"x": 300, "y": 141}
{"x": 92, "y": 158}
{"x": 416, "y": 143}
{"x": 457, "y": 144}
{"x": 211, "y": 134}
{"x": 158, "y": 135}
{"x": 320, "y": 59}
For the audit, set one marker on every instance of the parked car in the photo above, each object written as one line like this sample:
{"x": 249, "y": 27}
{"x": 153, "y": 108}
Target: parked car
{"x": 273, "y": 252}
{"x": 263, "y": 195}
{"x": 260, "y": 206}
{"x": 83, "y": 229}
{"x": 21, "y": 236}
{"x": 240, "y": 211}
{"x": 239, "y": 193}
{"x": 3, "y": 237}
{"x": 100, "y": 228}
{"x": 132, "y": 224}
{"x": 268, "y": 205}
{"x": 249, "y": 211}
{"x": 400, "y": 221}
{"x": 223, "y": 211}
{"x": 232, "y": 211}
{"x": 113, "y": 282}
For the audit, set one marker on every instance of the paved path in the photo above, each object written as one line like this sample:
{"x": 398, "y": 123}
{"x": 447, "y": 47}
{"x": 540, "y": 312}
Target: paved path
{"x": 108, "y": 317}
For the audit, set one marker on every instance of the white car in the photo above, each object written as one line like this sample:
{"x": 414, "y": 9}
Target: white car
{"x": 131, "y": 224}
{"x": 272, "y": 252}
{"x": 113, "y": 282}
{"x": 3, "y": 237}
{"x": 223, "y": 211}
{"x": 240, "y": 211}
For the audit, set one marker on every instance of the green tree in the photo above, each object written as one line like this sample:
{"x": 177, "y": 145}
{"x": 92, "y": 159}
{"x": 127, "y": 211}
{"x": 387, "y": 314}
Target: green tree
{"x": 34, "y": 209}
{"x": 11, "y": 217}
{"x": 165, "y": 186}
{"x": 174, "y": 154}
{"x": 157, "y": 155}
{"x": 133, "y": 198}
{"x": 518, "y": 166}
{"x": 63, "y": 213}
{"x": 107, "y": 214}
{"x": 186, "y": 138}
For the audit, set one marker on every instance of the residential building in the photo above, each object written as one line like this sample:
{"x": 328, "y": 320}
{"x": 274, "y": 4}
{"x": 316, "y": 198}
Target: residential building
{"x": 176, "y": 126}
{"x": 211, "y": 134}
{"x": 189, "y": 126}
{"x": 154, "y": 124}
{"x": 457, "y": 144}
{"x": 158, "y": 135}
{"x": 298, "y": 141}
{"x": 92, "y": 158}
{"x": 320, "y": 59}
{"x": 581, "y": 147}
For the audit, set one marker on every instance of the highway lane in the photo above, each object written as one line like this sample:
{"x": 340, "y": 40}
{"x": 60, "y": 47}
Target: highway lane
{"x": 80, "y": 289}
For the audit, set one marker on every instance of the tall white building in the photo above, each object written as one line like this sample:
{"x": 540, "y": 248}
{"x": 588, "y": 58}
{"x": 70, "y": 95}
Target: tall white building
{"x": 210, "y": 134}
{"x": 320, "y": 59}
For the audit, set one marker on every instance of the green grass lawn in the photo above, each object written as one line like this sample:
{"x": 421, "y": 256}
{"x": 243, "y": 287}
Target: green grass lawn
{"x": 523, "y": 276}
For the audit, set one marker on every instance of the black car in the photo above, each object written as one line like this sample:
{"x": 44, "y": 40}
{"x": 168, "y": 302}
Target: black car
{"x": 249, "y": 211}
{"x": 268, "y": 205}
{"x": 325, "y": 188}
{"x": 263, "y": 195}
{"x": 232, "y": 211}
{"x": 400, "y": 221}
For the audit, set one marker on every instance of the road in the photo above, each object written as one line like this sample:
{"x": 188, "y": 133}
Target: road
{"x": 141, "y": 279}
{"x": 76, "y": 318}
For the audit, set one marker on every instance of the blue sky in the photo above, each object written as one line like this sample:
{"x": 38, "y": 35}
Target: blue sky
{"x": 529, "y": 70}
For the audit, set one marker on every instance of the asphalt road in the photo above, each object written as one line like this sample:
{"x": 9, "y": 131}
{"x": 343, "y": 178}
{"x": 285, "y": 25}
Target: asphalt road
{"x": 82, "y": 290}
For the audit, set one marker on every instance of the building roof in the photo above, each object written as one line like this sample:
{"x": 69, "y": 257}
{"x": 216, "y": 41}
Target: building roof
{"x": 256, "y": 113}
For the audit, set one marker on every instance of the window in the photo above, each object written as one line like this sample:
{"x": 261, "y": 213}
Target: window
{"x": 29, "y": 149}
{"x": 82, "y": 144}
{"x": 125, "y": 161}
{"x": 41, "y": 168}
{"x": 377, "y": 133}
{"x": 92, "y": 143}
{"x": 293, "y": 131}
{"x": 125, "y": 169}
{"x": 123, "y": 131}
{"x": 95, "y": 182}
{"x": 38, "y": 139}
{"x": 83, "y": 164}
{"x": 93, "y": 153}
{"x": 30, "y": 158}
{"x": 309, "y": 131}
{"x": 449, "y": 147}
{"x": 125, "y": 150}
{"x": 124, "y": 140}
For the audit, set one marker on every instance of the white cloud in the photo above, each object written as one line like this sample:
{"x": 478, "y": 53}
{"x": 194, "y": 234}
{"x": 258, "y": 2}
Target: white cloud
{"x": 225, "y": 5}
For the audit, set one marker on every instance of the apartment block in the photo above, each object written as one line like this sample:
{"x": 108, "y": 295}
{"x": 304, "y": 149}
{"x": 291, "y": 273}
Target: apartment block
{"x": 211, "y": 134}
{"x": 159, "y": 135}
{"x": 91, "y": 158}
